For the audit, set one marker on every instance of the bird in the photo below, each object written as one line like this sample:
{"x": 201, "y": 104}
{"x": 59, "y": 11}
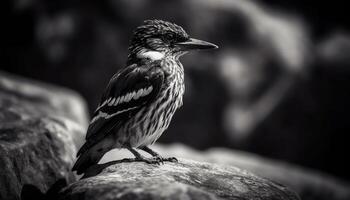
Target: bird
{"x": 141, "y": 99}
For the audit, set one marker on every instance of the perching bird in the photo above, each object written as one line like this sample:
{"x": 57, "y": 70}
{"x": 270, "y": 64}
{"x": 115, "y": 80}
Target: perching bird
{"x": 140, "y": 100}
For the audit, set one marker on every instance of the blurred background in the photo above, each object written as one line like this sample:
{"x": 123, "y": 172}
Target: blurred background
{"x": 279, "y": 86}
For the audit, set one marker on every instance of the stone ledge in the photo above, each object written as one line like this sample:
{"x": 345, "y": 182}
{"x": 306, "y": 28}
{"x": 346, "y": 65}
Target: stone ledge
{"x": 40, "y": 127}
{"x": 183, "y": 180}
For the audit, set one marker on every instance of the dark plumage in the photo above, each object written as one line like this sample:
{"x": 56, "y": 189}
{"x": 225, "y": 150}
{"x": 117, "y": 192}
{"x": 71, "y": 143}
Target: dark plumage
{"x": 140, "y": 100}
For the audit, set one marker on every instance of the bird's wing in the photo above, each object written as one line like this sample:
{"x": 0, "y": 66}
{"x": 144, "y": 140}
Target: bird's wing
{"x": 127, "y": 92}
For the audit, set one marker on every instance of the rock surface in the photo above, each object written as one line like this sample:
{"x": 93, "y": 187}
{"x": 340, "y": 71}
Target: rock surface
{"x": 307, "y": 183}
{"x": 40, "y": 127}
{"x": 182, "y": 180}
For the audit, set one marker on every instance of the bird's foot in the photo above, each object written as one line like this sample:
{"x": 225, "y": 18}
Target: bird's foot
{"x": 158, "y": 157}
{"x": 154, "y": 160}
{"x": 162, "y": 160}
{"x": 171, "y": 159}
{"x": 143, "y": 159}
{"x": 150, "y": 160}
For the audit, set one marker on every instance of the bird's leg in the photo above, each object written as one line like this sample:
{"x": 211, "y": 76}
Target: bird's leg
{"x": 139, "y": 157}
{"x": 157, "y": 156}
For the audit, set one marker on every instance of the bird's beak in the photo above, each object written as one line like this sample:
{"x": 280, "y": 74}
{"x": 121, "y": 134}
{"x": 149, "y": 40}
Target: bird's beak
{"x": 194, "y": 44}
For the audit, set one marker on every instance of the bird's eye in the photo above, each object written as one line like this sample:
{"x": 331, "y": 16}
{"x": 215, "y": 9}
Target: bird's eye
{"x": 169, "y": 37}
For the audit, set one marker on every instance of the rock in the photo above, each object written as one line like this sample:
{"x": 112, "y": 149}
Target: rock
{"x": 30, "y": 192}
{"x": 40, "y": 128}
{"x": 308, "y": 184}
{"x": 183, "y": 180}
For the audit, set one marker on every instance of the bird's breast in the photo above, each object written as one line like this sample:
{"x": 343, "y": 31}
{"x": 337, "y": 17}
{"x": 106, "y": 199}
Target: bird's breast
{"x": 151, "y": 121}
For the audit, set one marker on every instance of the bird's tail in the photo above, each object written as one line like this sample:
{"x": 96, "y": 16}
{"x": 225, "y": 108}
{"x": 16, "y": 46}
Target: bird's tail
{"x": 88, "y": 156}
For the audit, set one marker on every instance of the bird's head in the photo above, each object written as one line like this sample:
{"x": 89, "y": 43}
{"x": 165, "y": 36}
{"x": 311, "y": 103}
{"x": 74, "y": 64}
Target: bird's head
{"x": 155, "y": 39}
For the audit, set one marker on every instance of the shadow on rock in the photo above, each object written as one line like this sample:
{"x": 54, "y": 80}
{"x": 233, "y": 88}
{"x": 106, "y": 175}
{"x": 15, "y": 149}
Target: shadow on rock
{"x": 30, "y": 191}
{"x": 98, "y": 168}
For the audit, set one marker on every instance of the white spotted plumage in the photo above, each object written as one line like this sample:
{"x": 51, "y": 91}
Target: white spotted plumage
{"x": 107, "y": 116}
{"x": 159, "y": 114}
{"x": 127, "y": 97}
{"x": 119, "y": 100}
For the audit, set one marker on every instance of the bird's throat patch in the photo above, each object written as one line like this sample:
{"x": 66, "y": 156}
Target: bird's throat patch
{"x": 151, "y": 55}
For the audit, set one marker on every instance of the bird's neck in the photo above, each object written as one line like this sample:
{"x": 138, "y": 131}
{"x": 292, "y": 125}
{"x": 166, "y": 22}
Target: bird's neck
{"x": 143, "y": 56}
{"x": 168, "y": 61}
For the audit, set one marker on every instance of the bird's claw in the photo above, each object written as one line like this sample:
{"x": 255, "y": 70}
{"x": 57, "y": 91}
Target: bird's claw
{"x": 159, "y": 159}
{"x": 171, "y": 159}
{"x": 154, "y": 160}
{"x": 148, "y": 160}
{"x": 162, "y": 160}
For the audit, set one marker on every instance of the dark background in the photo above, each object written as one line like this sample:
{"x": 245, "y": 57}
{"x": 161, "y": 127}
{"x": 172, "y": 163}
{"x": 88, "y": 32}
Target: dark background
{"x": 278, "y": 86}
